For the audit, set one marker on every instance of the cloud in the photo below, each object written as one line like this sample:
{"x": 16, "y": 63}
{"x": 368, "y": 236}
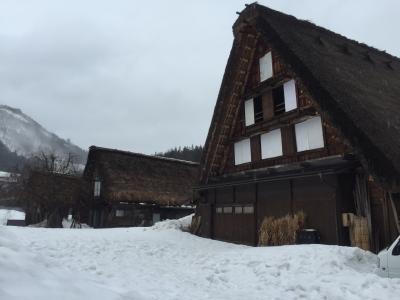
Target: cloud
{"x": 142, "y": 76}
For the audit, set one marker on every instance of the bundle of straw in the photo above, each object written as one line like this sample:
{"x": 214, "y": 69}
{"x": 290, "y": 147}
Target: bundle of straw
{"x": 281, "y": 231}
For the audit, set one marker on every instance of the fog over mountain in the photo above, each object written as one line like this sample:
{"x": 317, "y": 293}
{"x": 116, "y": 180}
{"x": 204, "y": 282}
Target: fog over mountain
{"x": 25, "y": 137}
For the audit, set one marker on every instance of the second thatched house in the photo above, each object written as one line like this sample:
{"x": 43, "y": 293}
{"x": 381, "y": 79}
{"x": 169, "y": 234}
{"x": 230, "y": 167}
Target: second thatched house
{"x": 132, "y": 189}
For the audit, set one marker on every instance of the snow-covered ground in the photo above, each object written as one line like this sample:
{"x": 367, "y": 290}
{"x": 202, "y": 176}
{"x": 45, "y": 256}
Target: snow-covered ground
{"x": 10, "y": 214}
{"x": 163, "y": 262}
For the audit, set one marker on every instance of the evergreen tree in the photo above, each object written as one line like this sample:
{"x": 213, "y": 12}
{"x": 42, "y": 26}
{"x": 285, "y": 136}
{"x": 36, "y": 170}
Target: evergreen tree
{"x": 192, "y": 153}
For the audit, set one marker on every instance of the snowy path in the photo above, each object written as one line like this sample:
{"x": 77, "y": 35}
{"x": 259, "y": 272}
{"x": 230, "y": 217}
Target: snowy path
{"x": 159, "y": 263}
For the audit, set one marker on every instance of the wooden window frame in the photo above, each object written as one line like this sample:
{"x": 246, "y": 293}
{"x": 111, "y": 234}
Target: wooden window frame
{"x": 271, "y": 134}
{"x": 227, "y": 210}
{"x": 308, "y": 147}
{"x": 119, "y": 213}
{"x": 238, "y": 152}
{"x": 266, "y": 66}
{"x": 246, "y": 211}
{"x": 97, "y": 188}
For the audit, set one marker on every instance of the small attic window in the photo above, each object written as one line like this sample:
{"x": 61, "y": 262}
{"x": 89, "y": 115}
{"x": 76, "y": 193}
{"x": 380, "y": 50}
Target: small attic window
{"x": 279, "y": 101}
{"x": 289, "y": 92}
{"x": 248, "y": 209}
{"x": 309, "y": 134}
{"x": 258, "y": 109}
{"x": 271, "y": 144}
{"x": 242, "y": 152}
{"x": 266, "y": 67}
{"x": 285, "y": 98}
{"x": 253, "y": 111}
{"x": 249, "y": 112}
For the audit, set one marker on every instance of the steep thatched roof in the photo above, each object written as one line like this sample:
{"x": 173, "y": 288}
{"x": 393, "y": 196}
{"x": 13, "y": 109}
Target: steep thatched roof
{"x": 356, "y": 86}
{"x": 139, "y": 178}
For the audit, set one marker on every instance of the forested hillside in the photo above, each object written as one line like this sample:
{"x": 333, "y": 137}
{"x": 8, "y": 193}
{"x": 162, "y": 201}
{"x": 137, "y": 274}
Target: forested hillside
{"x": 192, "y": 153}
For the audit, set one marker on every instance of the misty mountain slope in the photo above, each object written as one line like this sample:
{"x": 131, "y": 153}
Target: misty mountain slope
{"x": 24, "y": 136}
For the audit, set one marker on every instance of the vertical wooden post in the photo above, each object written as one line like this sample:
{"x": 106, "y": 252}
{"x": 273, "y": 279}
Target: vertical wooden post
{"x": 291, "y": 197}
{"x": 256, "y": 216}
{"x": 386, "y": 219}
{"x": 395, "y": 213}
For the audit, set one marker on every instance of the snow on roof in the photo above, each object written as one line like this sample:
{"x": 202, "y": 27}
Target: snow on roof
{"x": 4, "y": 174}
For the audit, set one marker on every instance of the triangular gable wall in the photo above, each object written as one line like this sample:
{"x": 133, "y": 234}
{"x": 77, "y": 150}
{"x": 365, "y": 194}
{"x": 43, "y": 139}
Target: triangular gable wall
{"x": 228, "y": 103}
{"x": 218, "y": 158}
{"x": 381, "y": 164}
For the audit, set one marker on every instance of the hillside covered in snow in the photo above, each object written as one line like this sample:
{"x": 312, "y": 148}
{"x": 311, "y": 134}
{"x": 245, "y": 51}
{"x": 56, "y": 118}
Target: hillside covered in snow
{"x": 23, "y": 136}
{"x": 162, "y": 262}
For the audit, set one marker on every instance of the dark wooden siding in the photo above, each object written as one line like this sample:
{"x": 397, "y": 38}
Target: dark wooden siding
{"x": 236, "y": 225}
{"x": 245, "y": 223}
{"x": 268, "y": 105}
{"x": 245, "y": 193}
{"x": 224, "y": 225}
{"x": 317, "y": 198}
{"x": 288, "y": 140}
{"x": 255, "y": 144}
{"x": 382, "y": 217}
{"x": 274, "y": 199}
{"x": 206, "y": 226}
{"x": 346, "y": 204}
{"x": 224, "y": 195}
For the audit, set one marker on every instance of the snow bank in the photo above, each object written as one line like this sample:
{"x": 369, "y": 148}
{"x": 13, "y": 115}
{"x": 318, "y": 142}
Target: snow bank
{"x": 10, "y": 214}
{"x": 67, "y": 223}
{"x": 26, "y": 276}
{"x": 163, "y": 262}
{"x": 182, "y": 224}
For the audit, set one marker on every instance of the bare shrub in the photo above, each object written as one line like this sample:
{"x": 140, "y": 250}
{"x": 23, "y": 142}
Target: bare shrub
{"x": 49, "y": 189}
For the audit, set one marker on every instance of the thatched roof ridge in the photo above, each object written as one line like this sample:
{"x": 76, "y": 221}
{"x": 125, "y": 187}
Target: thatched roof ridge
{"x": 139, "y": 178}
{"x": 66, "y": 176}
{"x": 173, "y": 160}
{"x": 356, "y": 87}
{"x": 255, "y": 10}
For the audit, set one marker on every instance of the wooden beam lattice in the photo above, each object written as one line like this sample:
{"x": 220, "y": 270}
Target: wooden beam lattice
{"x": 239, "y": 88}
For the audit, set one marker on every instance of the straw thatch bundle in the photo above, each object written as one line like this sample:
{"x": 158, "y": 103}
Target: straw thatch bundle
{"x": 281, "y": 231}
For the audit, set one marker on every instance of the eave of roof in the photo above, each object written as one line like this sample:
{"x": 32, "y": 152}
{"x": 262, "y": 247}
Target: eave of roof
{"x": 146, "y": 156}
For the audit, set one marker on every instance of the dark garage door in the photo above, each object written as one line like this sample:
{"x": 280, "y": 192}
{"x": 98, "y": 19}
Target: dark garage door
{"x": 234, "y": 220}
{"x": 316, "y": 196}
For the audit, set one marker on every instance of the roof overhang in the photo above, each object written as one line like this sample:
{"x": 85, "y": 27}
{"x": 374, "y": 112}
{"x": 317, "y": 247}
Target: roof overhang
{"x": 329, "y": 165}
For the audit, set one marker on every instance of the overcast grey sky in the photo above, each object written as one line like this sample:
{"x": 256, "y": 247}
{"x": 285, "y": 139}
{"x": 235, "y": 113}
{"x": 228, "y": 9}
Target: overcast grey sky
{"x": 144, "y": 75}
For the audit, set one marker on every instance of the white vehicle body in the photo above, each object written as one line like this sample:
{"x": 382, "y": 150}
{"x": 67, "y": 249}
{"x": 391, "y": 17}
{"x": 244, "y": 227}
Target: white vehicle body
{"x": 389, "y": 260}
